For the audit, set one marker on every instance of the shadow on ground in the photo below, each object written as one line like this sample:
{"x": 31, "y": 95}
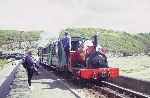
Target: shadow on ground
{"x": 48, "y": 78}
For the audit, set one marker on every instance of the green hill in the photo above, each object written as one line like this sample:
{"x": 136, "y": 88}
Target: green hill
{"x": 12, "y": 40}
{"x": 8, "y": 36}
{"x": 116, "y": 41}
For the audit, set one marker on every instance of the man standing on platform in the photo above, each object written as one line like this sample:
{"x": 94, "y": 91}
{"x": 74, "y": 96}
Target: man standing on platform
{"x": 67, "y": 45}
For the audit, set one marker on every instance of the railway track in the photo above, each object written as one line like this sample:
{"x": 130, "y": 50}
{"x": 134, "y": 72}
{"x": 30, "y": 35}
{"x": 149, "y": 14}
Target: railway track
{"x": 113, "y": 91}
{"x": 109, "y": 90}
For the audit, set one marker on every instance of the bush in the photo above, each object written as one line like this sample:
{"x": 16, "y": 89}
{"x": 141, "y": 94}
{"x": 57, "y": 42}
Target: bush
{"x": 3, "y": 62}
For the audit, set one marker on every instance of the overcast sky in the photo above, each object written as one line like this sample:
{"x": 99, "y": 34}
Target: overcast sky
{"x": 54, "y": 15}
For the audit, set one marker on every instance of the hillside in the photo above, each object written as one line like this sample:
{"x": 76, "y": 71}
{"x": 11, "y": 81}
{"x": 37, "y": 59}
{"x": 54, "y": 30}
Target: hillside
{"x": 12, "y": 38}
{"x": 116, "y": 41}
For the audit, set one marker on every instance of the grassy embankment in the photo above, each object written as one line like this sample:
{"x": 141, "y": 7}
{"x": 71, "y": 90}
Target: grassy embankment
{"x": 132, "y": 66}
{"x": 2, "y": 63}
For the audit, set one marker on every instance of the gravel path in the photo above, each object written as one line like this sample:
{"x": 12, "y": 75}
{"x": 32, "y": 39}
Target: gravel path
{"x": 47, "y": 85}
{"x": 19, "y": 87}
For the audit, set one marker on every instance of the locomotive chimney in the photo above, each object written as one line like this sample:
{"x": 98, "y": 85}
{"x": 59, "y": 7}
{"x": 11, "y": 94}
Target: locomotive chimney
{"x": 95, "y": 42}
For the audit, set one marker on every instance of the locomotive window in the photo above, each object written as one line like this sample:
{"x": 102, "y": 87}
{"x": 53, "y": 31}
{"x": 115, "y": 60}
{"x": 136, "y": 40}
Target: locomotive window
{"x": 75, "y": 45}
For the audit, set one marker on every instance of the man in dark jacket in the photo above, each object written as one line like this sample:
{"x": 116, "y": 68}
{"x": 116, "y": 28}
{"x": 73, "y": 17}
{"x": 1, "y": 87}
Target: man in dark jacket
{"x": 67, "y": 45}
{"x": 29, "y": 66}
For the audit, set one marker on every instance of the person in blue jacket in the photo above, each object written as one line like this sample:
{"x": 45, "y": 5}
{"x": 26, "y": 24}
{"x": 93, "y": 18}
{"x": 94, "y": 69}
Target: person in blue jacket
{"x": 66, "y": 41}
{"x": 29, "y": 62}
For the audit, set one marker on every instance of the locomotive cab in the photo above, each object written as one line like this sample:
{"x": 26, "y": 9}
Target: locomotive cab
{"x": 76, "y": 57}
{"x": 75, "y": 43}
{"x": 84, "y": 54}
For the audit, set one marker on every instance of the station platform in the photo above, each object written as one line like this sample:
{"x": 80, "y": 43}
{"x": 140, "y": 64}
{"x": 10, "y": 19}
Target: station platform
{"x": 47, "y": 85}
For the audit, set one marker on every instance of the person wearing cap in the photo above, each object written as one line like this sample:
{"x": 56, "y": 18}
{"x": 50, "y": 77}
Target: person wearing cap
{"x": 66, "y": 41}
{"x": 29, "y": 62}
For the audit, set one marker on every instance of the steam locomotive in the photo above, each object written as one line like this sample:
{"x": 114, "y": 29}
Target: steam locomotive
{"x": 87, "y": 60}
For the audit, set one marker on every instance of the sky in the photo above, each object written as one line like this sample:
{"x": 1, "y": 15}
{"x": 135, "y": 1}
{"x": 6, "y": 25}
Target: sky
{"x": 54, "y": 15}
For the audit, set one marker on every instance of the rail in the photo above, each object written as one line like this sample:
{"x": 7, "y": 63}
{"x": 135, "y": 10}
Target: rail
{"x": 115, "y": 91}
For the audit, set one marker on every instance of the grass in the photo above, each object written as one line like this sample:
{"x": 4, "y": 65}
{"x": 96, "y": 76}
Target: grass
{"x": 133, "y": 66}
{"x": 2, "y": 63}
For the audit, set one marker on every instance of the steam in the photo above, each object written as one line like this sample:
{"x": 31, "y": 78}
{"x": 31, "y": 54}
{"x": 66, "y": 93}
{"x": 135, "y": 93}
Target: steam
{"x": 61, "y": 15}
